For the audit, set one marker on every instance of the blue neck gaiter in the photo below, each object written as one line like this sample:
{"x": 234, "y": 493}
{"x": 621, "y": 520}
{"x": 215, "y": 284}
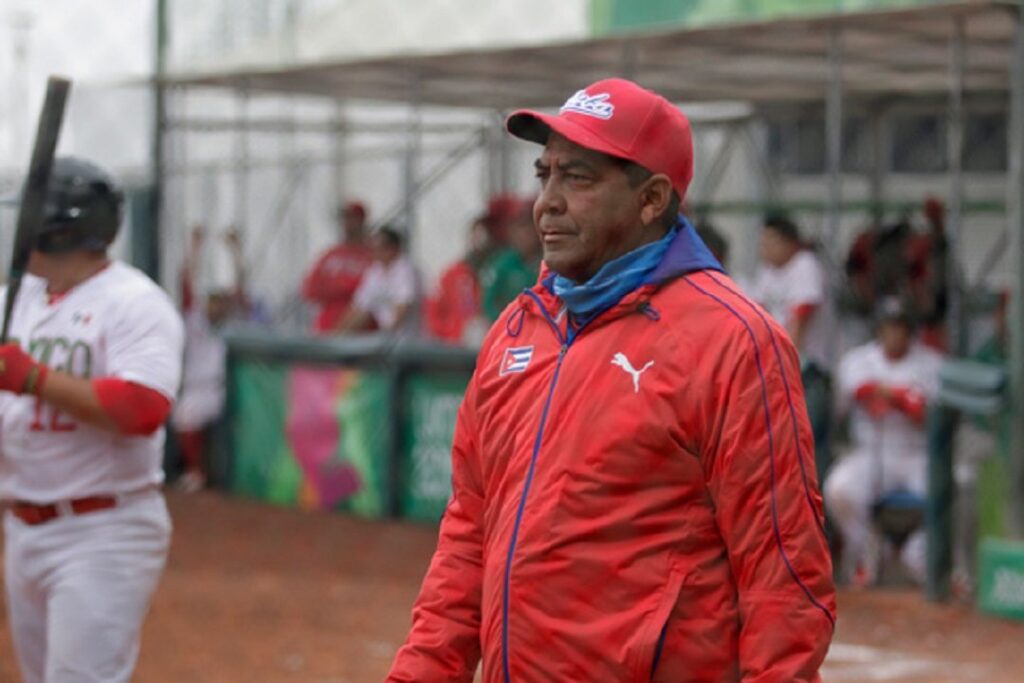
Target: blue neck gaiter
{"x": 614, "y": 280}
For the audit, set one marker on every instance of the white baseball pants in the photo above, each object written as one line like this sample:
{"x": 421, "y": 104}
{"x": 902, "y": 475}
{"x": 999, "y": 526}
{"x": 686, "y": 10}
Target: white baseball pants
{"x": 78, "y": 589}
{"x": 856, "y": 482}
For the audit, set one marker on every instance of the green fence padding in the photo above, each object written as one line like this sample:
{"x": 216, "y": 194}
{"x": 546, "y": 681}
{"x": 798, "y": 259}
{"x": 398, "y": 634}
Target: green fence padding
{"x": 261, "y": 466}
{"x": 362, "y": 424}
{"x": 993, "y": 492}
{"x": 430, "y": 405}
{"x": 1001, "y": 578}
{"x": 313, "y": 436}
{"x": 364, "y": 417}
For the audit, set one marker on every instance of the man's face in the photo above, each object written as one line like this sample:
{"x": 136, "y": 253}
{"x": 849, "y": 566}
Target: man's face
{"x": 40, "y": 264}
{"x": 895, "y": 337}
{"x": 352, "y": 223}
{"x": 586, "y": 214}
{"x": 383, "y": 250}
{"x": 218, "y": 307}
{"x": 775, "y": 249}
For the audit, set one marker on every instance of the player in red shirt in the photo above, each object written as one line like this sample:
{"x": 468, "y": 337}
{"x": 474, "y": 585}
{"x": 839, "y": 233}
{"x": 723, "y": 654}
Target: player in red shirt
{"x": 332, "y": 281}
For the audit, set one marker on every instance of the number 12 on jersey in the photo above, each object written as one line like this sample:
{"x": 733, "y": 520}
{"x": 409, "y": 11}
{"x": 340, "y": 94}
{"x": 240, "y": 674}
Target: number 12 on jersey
{"x": 47, "y": 418}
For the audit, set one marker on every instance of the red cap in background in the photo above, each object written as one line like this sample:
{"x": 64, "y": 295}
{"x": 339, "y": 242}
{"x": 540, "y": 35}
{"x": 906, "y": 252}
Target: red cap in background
{"x": 619, "y": 118}
{"x": 356, "y": 208}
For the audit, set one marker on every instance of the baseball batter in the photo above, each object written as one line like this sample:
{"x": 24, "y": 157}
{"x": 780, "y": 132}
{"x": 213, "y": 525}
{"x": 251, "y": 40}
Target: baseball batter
{"x": 86, "y": 385}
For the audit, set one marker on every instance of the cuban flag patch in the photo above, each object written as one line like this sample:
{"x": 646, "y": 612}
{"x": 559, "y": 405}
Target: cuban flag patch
{"x": 516, "y": 359}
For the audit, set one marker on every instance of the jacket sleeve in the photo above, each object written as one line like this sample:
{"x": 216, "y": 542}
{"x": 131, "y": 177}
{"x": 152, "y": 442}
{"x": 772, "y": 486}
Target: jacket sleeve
{"x": 444, "y": 643}
{"x": 759, "y": 464}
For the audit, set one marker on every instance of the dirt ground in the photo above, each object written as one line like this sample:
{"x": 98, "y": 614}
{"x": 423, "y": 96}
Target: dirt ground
{"x": 259, "y": 594}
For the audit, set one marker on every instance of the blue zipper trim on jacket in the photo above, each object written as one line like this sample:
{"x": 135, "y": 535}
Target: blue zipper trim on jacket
{"x": 776, "y": 528}
{"x": 526, "y": 490}
{"x": 659, "y": 647}
{"x": 551, "y": 321}
{"x": 789, "y": 399}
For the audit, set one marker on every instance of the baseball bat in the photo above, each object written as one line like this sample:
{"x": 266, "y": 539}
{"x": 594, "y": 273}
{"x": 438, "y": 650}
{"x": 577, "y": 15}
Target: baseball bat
{"x": 33, "y": 194}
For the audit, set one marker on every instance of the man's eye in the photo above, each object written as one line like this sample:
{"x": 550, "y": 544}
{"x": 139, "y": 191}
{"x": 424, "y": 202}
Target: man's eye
{"x": 576, "y": 177}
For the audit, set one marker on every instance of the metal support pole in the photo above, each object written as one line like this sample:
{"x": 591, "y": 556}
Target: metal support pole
{"x": 494, "y": 149}
{"x": 719, "y": 163}
{"x": 1015, "y": 215}
{"x": 954, "y": 214}
{"x": 506, "y": 155}
{"x": 146, "y": 239}
{"x": 411, "y": 162}
{"x": 241, "y": 217}
{"x": 876, "y": 175}
{"x": 338, "y": 143}
{"x": 938, "y": 512}
{"x": 941, "y": 429}
{"x": 834, "y": 156}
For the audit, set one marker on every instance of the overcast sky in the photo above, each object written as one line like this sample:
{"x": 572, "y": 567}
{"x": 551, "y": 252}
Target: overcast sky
{"x": 72, "y": 38}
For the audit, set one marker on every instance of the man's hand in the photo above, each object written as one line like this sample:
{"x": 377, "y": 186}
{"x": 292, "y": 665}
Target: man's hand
{"x": 875, "y": 398}
{"x": 19, "y": 372}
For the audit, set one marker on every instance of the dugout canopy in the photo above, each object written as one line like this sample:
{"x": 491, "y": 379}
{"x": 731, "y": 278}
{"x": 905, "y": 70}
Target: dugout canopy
{"x": 902, "y": 51}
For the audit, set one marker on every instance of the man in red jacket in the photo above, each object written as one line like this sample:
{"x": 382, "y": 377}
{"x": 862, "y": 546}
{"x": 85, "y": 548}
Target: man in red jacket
{"x": 334, "y": 278}
{"x": 634, "y": 495}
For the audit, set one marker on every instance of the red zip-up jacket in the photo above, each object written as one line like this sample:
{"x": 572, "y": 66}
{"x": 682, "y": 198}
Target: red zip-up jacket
{"x": 635, "y": 502}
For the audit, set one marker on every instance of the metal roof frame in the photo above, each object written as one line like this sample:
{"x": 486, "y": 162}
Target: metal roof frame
{"x": 899, "y": 51}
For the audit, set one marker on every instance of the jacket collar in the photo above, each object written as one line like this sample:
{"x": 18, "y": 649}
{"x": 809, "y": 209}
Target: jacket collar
{"x": 686, "y": 254}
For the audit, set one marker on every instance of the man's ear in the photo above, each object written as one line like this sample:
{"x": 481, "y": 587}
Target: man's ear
{"x": 654, "y": 198}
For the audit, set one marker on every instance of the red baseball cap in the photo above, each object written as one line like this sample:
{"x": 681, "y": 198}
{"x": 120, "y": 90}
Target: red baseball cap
{"x": 619, "y": 118}
{"x": 356, "y": 208}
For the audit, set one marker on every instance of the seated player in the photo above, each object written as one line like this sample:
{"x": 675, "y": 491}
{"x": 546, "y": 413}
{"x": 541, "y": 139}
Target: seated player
{"x": 885, "y": 386}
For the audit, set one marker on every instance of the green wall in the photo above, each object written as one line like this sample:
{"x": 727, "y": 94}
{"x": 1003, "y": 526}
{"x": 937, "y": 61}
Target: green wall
{"x": 612, "y": 16}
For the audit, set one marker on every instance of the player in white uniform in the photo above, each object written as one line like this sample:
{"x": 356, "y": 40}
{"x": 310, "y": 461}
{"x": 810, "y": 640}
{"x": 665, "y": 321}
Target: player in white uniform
{"x": 790, "y": 284}
{"x": 203, "y": 385}
{"x": 885, "y": 386}
{"x": 85, "y": 388}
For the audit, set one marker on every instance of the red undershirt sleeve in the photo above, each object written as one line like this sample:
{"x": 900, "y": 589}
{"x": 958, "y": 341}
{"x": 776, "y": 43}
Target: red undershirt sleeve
{"x": 137, "y": 410}
{"x": 803, "y": 312}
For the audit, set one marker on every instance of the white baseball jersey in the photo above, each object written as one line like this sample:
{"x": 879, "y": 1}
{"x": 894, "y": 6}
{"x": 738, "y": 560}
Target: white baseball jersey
{"x": 894, "y": 433}
{"x": 118, "y": 323}
{"x": 799, "y": 282}
{"x": 386, "y": 287}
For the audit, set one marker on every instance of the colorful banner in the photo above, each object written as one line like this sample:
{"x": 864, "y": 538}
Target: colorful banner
{"x": 313, "y": 436}
{"x": 431, "y": 403}
{"x": 611, "y": 16}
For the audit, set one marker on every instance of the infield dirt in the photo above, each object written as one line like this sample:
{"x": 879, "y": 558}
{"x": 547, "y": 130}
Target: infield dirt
{"x": 257, "y": 594}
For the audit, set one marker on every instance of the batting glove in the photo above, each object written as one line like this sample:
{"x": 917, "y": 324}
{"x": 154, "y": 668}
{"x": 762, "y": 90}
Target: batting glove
{"x": 19, "y": 372}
